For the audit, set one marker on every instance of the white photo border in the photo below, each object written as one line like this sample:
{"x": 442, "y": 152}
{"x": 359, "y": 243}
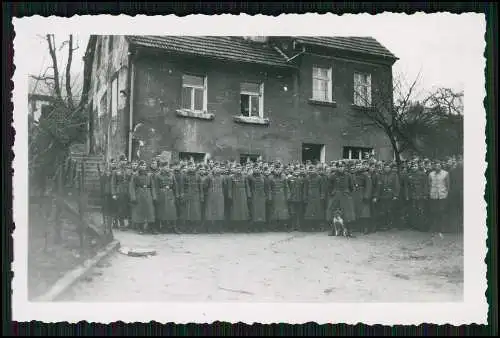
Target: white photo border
{"x": 473, "y": 309}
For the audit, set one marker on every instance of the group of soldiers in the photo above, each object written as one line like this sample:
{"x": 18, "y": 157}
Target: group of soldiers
{"x": 370, "y": 195}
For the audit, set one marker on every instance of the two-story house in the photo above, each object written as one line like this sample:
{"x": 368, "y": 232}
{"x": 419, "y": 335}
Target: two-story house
{"x": 222, "y": 97}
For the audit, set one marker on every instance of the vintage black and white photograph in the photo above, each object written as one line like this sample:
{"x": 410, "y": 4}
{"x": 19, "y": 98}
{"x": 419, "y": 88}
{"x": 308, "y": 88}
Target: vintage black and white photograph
{"x": 305, "y": 161}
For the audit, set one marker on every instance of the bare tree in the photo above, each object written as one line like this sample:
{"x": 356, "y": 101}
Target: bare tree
{"x": 65, "y": 121}
{"x": 446, "y": 100}
{"x": 394, "y": 109}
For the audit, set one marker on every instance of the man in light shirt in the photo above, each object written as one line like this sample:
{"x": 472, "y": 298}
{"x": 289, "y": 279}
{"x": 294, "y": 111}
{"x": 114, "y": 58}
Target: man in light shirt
{"x": 439, "y": 185}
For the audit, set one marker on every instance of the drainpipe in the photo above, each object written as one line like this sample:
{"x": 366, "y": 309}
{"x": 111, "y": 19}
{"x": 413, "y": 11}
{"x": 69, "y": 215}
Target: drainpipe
{"x": 131, "y": 102}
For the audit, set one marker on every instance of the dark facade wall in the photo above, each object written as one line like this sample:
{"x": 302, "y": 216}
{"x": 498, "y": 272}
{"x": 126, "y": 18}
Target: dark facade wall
{"x": 293, "y": 120}
{"x": 336, "y": 127}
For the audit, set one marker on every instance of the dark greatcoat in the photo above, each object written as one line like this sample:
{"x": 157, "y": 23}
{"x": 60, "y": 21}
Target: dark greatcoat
{"x": 106, "y": 196}
{"x": 213, "y": 189}
{"x": 340, "y": 188}
{"x": 120, "y": 189}
{"x": 362, "y": 194}
{"x": 418, "y": 185}
{"x": 238, "y": 194}
{"x": 388, "y": 186}
{"x": 279, "y": 196}
{"x": 258, "y": 195}
{"x": 142, "y": 195}
{"x": 192, "y": 197}
{"x": 166, "y": 193}
{"x": 314, "y": 197}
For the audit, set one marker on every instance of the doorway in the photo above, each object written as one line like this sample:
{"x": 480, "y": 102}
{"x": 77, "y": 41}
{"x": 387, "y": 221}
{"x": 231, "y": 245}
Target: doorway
{"x": 315, "y": 153}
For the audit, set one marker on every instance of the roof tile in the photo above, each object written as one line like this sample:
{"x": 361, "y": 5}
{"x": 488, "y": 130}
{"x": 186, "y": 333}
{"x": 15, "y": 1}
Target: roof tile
{"x": 219, "y": 47}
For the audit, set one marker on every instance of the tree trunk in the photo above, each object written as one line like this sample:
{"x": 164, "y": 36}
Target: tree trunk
{"x": 395, "y": 148}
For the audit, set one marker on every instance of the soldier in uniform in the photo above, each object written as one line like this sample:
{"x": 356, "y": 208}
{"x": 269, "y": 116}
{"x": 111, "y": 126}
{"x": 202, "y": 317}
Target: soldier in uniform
{"x": 179, "y": 176}
{"x": 193, "y": 199}
{"x": 239, "y": 194}
{"x": 259, "y": 196}
{"x": 226, "y": 185}
{"x": 213, "y": 190}
{"x": 387, "y": 195}
{"x": 120, "y": 192}
{"x": 166, "y": 192}
{"x": 418, "y": 192}
{"x": 374, "y": 177}
{"x": 279, "y": 193}
{"x": 314, "y": 200}
{"x": 362, "y": 196}
{"x": 142, "y": 197}
{"x": 340, "y": 188}
{"x": 403, "y": 204}
{"x": 295, "y": 187}
{"x": 108, "y": 211}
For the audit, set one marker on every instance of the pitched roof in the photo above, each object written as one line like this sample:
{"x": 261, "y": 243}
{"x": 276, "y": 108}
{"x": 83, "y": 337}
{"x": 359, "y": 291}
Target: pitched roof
{"x": 218, "y": 47}
{"x": 360, "y": 44}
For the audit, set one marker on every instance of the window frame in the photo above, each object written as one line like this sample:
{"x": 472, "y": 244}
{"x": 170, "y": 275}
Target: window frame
{"x": 246, "y": 156}
{"x": 329, "y": 87}
{"x": 184, "y": 156}
{"x": 361, "y": 150}
{"x": 259, "y": 94}
{"x": 357, "y": 100}
{"x": 204, "y": 87}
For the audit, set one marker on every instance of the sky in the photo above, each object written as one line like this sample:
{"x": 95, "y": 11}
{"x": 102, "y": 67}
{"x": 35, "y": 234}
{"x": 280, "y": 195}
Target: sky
{"x": 436, "y": 47}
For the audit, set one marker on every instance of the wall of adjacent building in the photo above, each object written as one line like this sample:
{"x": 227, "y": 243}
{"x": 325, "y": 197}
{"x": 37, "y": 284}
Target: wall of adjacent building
{"x": 109, "y": 140}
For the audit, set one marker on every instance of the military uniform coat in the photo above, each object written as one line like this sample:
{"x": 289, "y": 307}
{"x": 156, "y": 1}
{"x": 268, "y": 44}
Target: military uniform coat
{"x": 279, "y": 197}
{"x": 106, "y": 197}
{"x": 142, "y": 195}
{"x": 314, "y": 197}
{"x": 166, "y": 193}
{"x": 362, "y": 194}
{"x": 418, "y": 185}
{"x": 258, "y": 196}
{"x": 388, "y": 186}
{"x": 120, "y": 188}
{"x": 238, "y": 193}
{"x": 193, "y": 197}
{"x": 340, "y": 190}
{"x": 213, "y": 188}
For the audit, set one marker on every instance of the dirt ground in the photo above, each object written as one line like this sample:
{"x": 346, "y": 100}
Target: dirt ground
{"x": 392, "y": 266}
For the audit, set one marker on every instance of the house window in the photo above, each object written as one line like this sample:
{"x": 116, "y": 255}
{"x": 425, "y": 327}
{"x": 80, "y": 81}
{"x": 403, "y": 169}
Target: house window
{"x": 362, "y": 89}
{"x": 194, "y": 93}
{"x": 114, "y": 105}
{"x": 196, "y": 157}
{"x": 357, "y": 153}
{"x": 252, "y": 99}
{"x": 245, "y": 158}
{"x": 314, "y": 153}
{"x": 322, "y": 84}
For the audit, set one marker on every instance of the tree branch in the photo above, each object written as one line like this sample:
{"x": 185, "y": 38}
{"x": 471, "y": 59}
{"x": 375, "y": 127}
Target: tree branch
{"x": 68, "y": 72}
{"x": 52, "y": 52}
